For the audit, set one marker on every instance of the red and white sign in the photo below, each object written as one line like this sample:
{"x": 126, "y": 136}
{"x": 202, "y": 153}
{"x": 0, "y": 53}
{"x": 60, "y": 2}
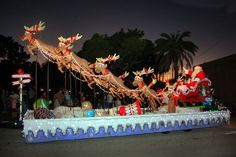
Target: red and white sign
{"x": 20, "y": 82}
{"x": 21, "y": 76}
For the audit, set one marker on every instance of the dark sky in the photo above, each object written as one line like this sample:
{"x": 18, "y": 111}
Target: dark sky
{"x": 212, "y": 22}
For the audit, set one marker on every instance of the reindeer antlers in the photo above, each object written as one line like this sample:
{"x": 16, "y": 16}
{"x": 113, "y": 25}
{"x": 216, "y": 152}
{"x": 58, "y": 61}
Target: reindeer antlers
{"x": 144, "y": 71}
{"x": 124, "y": 75}
{"x": 70, "y": 40}
{"x": 35, "y": 28}
{"x": 109, "y": 58}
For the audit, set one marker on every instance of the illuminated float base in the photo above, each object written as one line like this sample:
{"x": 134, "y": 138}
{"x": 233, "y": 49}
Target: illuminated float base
{"x": 45, "y": 130}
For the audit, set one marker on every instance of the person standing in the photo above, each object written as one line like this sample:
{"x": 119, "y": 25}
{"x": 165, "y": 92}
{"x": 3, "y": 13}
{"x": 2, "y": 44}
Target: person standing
{"x": 13, "y": 104}
{"x": 44, "y": 95}
{"x": 59, "y": 98}
{"x": 25, "y": 101}
{"x": 1, "y": 100}
{"x": 109, "y": 101}
{"x": 31, "y": 94}
{"x": 68, "y": 100}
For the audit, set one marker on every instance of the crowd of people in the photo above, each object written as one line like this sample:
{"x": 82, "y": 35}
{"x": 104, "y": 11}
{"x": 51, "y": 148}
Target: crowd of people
{"x": 9, "y": 100}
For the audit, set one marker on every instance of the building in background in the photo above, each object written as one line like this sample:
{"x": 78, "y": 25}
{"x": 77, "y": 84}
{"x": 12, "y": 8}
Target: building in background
{"x": 222, "y": 73}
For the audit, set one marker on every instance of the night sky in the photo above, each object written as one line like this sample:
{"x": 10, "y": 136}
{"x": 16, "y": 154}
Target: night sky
{"x": 212, "y": 22}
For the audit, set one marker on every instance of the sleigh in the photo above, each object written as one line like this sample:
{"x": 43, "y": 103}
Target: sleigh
{"x": 196, "y": 92}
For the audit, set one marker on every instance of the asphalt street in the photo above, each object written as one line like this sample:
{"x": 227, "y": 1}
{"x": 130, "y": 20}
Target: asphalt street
{"x": 207, "y": 142}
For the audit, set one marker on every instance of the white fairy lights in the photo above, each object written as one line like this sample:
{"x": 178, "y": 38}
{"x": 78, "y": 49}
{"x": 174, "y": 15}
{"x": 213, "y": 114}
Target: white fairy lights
{"x": 85, "y": 123}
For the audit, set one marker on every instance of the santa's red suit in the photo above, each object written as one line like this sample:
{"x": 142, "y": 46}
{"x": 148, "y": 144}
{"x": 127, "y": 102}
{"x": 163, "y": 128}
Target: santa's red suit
{"x": 191, "y": 93}
{"x": 200, "y": 75}
{"x": 196, "y": 76}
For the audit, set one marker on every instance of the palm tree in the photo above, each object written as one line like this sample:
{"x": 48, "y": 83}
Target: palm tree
{"x": 173, "y": 50}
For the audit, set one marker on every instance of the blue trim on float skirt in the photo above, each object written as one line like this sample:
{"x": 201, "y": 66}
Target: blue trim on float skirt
{"x": 120, "y": 131}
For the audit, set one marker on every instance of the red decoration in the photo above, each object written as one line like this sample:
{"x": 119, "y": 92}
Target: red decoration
{"x": 66, "y": 52}
{"x": 36, "y": 28}
{"x": 132, "y": 109}
{"x": 20, "y": 71}
{"x": 142, "y": 85}
{"x": 106, "y": 71}
{"x": 201, "y": 75}
{"x": 189, "y": 72}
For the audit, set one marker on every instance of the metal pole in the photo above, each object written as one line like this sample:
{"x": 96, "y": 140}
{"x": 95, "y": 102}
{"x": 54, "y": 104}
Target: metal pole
{"x": 70, "y": 85}
{"x": 80, "y": 88}
{"x": 75, "y": 94}
{"x": 48, "y": 80}
{"x": 94, "y": 96}
{"x": 21, "y": 86}
{"x": 36, "y": 78}
{"x": 65, "y": 79}
{"x": 71, "y": 98}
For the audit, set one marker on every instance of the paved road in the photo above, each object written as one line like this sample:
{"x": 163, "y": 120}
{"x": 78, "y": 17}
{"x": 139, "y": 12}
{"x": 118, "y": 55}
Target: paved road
{"x": 208, "y": 142}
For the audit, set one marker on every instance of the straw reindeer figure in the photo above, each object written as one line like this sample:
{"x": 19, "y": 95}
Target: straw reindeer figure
{"x": 114, "y": 84}
{"x": 62, "y": 54}
{"x": 35, "y": 43}
{"x": 29, "y": 35}
{"x": 72, "y": 61}
{"x": 145, "y": 90}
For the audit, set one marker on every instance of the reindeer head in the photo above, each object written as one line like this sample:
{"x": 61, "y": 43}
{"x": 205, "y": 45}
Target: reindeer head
{"x": 100, "y": 64}
{"x": 99, "y": 67}
{"x": 66, "y": 42}
{"x": 138, "y": 75}
{"x": 30, "y": 31}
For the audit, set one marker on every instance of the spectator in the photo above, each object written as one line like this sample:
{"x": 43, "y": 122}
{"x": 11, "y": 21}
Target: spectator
{"x": 109, "y": 101}
{"x": 59, "y": 98}
{"x": 31, "y": 94}
{"x": 82, "y": 97}
{"x": 1, "y": 99}
{"x": 68, "y": 100}
{"x": 13, "y": 104}
{"x": 117, "y": 102}
{"x": 25, "y": 102}
{"x": 44, "y": 95}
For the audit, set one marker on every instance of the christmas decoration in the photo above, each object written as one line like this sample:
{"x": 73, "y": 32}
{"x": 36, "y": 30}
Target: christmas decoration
{"x": 86, "y": 122}
{"x": 132, "y": 109}
{"x": 20, "y": 82}
{"x": 89, "y": 113}
{"x": 144, "y": 90}
{"x": 41, "y": 103}
{"x": 45, "y": 130}
{"x": 43, "y": 113}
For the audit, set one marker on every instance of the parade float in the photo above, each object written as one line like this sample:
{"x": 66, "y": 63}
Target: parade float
{"x": 163, "y": 114}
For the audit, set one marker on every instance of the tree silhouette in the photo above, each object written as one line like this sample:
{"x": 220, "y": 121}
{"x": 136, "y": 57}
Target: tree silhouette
{"x": 129, "y": 44}
{"x": 173, "y": 50}
{"x": 12, "y": 51}
{"x": 12, "y": 57}
{"x": 97, "y": 46}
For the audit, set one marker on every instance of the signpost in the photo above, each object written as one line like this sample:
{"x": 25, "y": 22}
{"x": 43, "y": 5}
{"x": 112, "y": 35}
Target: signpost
{"x": 20, "y": 82}
{"x": 20, "y": 76}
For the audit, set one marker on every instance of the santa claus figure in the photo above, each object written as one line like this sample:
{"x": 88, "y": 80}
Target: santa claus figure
{"x": 194, "y": 89}
{"x": 197, "y": 74}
